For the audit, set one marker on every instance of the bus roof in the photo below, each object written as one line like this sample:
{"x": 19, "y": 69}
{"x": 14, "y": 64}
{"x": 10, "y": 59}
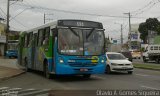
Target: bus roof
{"x": 55, "y": 23}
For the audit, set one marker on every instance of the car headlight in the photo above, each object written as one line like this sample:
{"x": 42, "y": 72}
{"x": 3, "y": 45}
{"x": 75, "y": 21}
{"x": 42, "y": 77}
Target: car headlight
{"x": 114, "y": 64}
{"x": 7, "y": 52}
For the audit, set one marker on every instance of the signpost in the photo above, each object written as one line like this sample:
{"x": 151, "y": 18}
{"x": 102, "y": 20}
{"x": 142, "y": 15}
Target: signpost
{"x": 2, "y": 39}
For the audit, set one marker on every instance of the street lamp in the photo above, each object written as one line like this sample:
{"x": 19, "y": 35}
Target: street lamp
{"x": 121, "y": 32}
{"x": 129, "y": 34}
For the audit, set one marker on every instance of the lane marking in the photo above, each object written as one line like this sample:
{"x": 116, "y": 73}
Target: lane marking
{"x": 3, "y": 88}
{"x": 142, "y": 75}
{"x": 150, "y": 87}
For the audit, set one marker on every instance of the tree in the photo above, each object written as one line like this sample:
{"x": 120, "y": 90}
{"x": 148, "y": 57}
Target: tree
{"x": 150, "y": 24}
{"x": 143, "y": 32}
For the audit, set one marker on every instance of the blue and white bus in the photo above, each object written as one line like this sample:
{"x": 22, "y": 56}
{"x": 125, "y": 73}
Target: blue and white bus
{"x": 64, "y": 47}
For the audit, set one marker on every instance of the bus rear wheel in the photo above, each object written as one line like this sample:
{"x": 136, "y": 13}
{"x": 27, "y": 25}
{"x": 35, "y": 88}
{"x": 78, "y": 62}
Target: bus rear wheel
{"x": 26, "y": 65}
{"x": 46, "y": 71}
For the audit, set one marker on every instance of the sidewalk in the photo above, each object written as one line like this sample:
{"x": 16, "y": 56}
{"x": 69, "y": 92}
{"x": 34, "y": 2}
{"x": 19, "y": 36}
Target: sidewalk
{"x": 8, "y": 68}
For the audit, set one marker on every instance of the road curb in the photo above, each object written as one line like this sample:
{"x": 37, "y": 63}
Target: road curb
{"x": 147, "y": 68}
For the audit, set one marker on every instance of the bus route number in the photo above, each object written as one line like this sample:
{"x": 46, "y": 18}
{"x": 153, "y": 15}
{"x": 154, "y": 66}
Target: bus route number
{"x": 80, "y": 24}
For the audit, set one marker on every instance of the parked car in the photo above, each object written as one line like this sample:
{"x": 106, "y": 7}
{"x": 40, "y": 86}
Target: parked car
{"x": 128, "y": 55}
{"x": 11, "y": 53}
{"x": 117, "y": 62}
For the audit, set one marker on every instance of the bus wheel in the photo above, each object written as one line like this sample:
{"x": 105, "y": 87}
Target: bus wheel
{"x": 108, "y": 70}
{"x": 46, "y": 71}
{"x": 26, "y": 65}
{"x": 87, "y": 75}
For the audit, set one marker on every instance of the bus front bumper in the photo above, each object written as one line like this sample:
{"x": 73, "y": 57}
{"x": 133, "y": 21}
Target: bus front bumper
{"x": 68, "y": 70}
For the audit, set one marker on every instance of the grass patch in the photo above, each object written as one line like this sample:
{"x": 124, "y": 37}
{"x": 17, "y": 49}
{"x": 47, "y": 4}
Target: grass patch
{"x": 147, "y": 66}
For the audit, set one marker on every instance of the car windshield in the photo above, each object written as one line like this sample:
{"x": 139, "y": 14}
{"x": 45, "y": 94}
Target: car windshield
{"x": 116, "y": 56}
{"x": 80, "y": 41}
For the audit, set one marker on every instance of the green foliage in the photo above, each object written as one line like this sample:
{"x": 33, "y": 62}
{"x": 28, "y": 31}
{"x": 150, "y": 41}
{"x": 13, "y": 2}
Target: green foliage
{"x": 142, "y": 49}
{"x": 150, "y": 24}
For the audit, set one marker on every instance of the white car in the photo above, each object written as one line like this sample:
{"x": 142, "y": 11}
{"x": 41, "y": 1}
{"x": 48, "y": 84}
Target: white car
{"x": 116, "y": 62}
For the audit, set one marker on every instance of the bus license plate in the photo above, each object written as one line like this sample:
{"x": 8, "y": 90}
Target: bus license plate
{"x": 83, "y": 69}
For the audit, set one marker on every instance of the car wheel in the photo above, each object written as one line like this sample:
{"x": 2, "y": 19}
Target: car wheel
{"x": 108, "y": 70}
{"x": 144, "y": 60}
{"x": 87, "y": 75}
{"x": 46, "y": 71}
{"x": 130, "y": 72}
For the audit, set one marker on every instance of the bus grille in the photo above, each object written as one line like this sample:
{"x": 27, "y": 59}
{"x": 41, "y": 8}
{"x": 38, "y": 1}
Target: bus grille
{"x": 82, "y": 64}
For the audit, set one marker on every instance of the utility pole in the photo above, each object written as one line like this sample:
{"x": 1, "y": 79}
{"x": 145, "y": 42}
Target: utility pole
{"x": 45, "y": 18}
{"x": 129, "y": 33}
{"x": 7, "y": 27}
{"x": 121, "y": 34}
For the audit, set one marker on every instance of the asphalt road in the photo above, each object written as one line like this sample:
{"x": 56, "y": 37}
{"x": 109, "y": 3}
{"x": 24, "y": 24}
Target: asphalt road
{"x": 140, "y": 79}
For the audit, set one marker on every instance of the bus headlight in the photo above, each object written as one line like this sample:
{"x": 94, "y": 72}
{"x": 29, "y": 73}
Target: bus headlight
{"x": 102, "y": 61}
{"x": 61, "y": 61}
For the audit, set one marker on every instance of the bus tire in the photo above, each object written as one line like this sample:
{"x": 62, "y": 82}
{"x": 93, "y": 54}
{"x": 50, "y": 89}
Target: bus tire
{"x": 46, "y": 71}
{"x": 26, "y": 65}
{"x": 86, "y": 75}
{"x": 108, "y": 70}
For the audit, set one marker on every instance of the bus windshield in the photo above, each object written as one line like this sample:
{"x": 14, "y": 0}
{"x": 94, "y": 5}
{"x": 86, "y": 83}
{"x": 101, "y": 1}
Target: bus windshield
{"x": 80, "y": 41}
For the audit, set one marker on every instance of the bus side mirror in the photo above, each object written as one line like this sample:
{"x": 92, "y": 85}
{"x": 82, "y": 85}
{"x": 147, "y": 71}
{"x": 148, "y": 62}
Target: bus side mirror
{"x": 55, "y": 32}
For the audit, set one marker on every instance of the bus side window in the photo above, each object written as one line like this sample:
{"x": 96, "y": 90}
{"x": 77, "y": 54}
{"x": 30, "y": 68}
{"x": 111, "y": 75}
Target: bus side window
{"x": 26, "y": 40}
{"x": 30, "y": 39}
{"x": 46, "y": 36}
{"x": 40, "y": 37}
{"x": 35, "y": 39}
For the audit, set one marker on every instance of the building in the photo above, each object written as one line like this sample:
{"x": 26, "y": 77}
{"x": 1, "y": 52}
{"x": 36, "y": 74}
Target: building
{"x": 12, "y": 35}
{"x": 153, "y": 37}
{"x": 135, "y": 37}
{"x": 2, "y": 38}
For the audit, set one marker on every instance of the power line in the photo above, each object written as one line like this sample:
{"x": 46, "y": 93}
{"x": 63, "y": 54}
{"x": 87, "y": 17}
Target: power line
{"x": 13, "y": 18}
{"x": 3, "y": 12}
{"x": 73, "y": 12}
{"x": 147, "y": 7}
{"x": 20, "y": 23}
{"x": 143, "y": 7}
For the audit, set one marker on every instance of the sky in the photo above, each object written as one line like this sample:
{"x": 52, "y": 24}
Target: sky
{"x": 28, "y": 14}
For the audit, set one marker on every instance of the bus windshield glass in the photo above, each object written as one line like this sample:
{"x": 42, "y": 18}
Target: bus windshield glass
{"x": 81, "y": 41}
